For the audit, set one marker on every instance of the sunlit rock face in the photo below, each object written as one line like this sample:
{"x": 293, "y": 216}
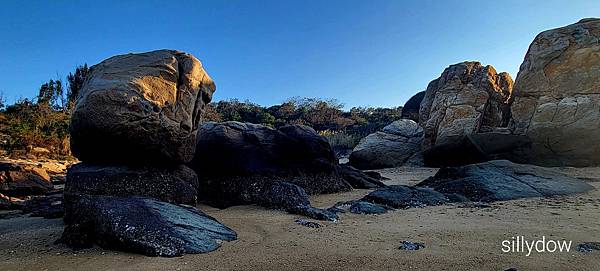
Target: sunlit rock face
{"x": 557, "y": 96}
{"x": 143, "y": 106}
{"x": 467, "y": 98}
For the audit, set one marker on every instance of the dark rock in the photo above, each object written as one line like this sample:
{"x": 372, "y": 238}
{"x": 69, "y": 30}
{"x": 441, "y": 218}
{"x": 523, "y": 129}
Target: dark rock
{"x": 143, "y": 225}
{"x": 10, "y": 214}
{"x": 402, "y": 196}
{"x": 141, "y": 108}
{"x": 588, "y": 247}
{"x": 307, "y": 223}
{"x": 18, "y": 181}
{"x": 503, "y": 180}
{"x": 291, "y": 198}
{"x": 315, "y": 213}
{"x": 511, "y": 269}
{"x": 359, "y": 179}
{"x": 49, "y": 207}
{"x": 408, "y": 245}
{"x": 361, "y": 207}
{"x": 234, "y": 157}
{"x": 282, "y": 195}
{"x": 176, "y": 184}
{"x": 476, "y": 148}
{"x": 410, "y": 110}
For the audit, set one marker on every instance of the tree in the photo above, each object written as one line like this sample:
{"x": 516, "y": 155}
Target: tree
{"x": 75, "y": 83}
{"x": 50, "y": 94}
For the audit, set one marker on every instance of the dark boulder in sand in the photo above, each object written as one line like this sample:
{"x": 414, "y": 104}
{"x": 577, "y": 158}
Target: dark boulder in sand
{"x": 360, "y": 207}
{"x": 232, "y": 157}
{"x": 402, "y": 196}
{"x": 143, "y": 225}
{"x": 359, "y": 179}
{"x": 19, "y": 181}
{"x": 288, "y": 197}
{"x": 142, "y": 107}
{"x": 176, "y": 184}
{"x": 503, "y": 180}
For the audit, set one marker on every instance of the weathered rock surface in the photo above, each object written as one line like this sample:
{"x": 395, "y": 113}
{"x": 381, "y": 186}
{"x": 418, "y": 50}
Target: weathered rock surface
{"x": 402, "y": 196}
{"x": 467, "y": 98}
{"x": 390, "y": 147}
{"x": 233, "y": 157}
{"x": 177, "y": 184}
{"x": 557, "y": 96}
{"x": 410, "y": 110}
{"x": 19, "y": 181}
{"x": 143, "y": 225}
{"x": 503, "y": 180}
{"x": 141, "y": 108}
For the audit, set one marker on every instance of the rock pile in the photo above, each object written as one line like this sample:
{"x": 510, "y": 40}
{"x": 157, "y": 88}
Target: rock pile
{"x": 134, "y": 126}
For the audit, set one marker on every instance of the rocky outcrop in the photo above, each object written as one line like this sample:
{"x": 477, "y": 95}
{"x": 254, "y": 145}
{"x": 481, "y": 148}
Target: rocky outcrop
{"x": 143, "y": 225}
{"x": 393, "y": 146}
{"x": 410, "y": 110}
{"x": 141, "y": 108}
{"x": 20, "y": 181}
{"x": 468, "y": 98}
{"x": 134, "y": 126}
{"x": 503, "y": 180}
{"x": 234, "y": 157}
{"x": 557, "y": 96}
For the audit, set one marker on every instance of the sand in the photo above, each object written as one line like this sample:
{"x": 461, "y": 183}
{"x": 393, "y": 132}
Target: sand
{"x": 456, "y": 238}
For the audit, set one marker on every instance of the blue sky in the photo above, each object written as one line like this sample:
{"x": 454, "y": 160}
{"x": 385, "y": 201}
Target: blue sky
{"x": 362, "y": 53}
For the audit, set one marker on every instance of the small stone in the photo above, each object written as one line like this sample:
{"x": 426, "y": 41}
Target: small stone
{"x": 588, "y": 247}
{"x": 408, "y": 245}
{"x": 307, "y": 223}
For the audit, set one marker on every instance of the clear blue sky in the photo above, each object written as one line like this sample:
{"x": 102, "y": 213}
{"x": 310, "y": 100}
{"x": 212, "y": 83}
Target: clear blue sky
{"x": 363, "y": 53}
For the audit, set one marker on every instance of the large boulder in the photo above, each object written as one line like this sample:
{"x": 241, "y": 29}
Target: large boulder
{"x": 143, "y": 225}
{"x": 503, "y": 180}
{"x": 390, "y": 147}
{"x": 177, "y": 184}
{"x": 410, "y": 110}
{"x": 141, "y": 108}
{"x": 233, "y": 157}
{"x": 467, "y": 98}
{"x": 557, "y": 96}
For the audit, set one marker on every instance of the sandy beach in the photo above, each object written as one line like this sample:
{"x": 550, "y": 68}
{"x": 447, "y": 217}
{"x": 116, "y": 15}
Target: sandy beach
{"x": 456, "y": 238}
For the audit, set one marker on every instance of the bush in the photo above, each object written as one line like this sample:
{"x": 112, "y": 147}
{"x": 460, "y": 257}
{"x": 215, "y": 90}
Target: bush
{"x": 25, "y": 125}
